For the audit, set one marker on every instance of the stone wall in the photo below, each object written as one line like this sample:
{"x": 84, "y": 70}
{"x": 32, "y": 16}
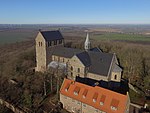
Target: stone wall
{"x": 97, "y": 77}
{"x": 76, "y": 106}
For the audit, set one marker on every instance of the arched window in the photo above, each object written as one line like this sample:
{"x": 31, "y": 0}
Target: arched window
{"x": 55, "y": 42}
{"x": 60, "y": 41}
{"x": 78, "y": 70}
{"x": 71, "y": 74}
{"x": 115, "y": 77}
{"x": 71, "y": 68}
{"x": 49, "y": 44}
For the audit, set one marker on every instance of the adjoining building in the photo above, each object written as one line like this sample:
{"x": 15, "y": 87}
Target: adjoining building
{"x": 80, "y": 98}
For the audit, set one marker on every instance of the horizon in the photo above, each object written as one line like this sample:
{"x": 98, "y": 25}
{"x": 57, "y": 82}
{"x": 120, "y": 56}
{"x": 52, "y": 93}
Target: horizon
{"x": 75, "y": 12}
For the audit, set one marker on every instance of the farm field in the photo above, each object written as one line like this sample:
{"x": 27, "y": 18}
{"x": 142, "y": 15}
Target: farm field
{"x": 24, "y": 33}
{"x": 12, "y": 36}
{"x": 121, "y": 37}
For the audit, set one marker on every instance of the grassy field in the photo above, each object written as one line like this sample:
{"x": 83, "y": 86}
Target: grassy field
{"x": 7, "y": 37}
{"x": 18, "y": 35}
{"x": 117, "y": 36}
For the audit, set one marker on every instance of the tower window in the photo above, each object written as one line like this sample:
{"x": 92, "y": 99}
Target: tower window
{"x": 115, "y": 77}
{"x": 71, "y": 68}
{"x": 78, "y": 70}
{"x": 71, "y": 74}
{"x": 49, "y": 43}
{"x": 60, "y": 41}
{"x": 41, "y": 43}
{"x": 55, "y": 42}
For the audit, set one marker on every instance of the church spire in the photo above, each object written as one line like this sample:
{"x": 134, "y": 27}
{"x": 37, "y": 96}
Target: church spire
{"x": 87, "y": 43}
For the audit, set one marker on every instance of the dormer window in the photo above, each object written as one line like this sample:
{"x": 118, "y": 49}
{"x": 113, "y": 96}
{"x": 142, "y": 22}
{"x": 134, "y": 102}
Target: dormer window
{"x": 67, "y": 87}
{"x": 102, "y": 100}
{"x": 94, "y": 100}
{"x": 113, "y": 108}
{"x": 101, "y": 103}
{"x": 83, "y": 96}
{"x": 75, "y": 93}
{"x": 76, "y": 90}
{"x": 114, "y": 104}
{"x": 95, "y": 97}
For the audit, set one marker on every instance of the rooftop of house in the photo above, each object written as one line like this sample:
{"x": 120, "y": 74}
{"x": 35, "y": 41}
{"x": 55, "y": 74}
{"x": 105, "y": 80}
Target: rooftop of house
{"x": 52, "y": 35}
{"x": 100, "y": 98}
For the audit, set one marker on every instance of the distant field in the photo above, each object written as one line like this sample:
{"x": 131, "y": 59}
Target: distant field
{"x": 122, "y": 37}
{"x": 13, "y": 36}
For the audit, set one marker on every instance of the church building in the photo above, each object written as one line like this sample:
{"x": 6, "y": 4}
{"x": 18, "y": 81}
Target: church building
{"x": 88, "y": 63}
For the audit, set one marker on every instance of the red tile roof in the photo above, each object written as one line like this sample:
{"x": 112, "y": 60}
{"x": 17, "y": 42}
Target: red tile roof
{"x": 86, "y": 94}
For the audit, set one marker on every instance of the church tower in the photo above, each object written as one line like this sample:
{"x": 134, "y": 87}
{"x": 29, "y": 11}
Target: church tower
{"x": 46, "y": 42}
{"x": 87, "y": 43}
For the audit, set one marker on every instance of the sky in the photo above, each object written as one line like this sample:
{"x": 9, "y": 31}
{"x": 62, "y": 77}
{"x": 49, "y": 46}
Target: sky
{"x": 74, "y": 11}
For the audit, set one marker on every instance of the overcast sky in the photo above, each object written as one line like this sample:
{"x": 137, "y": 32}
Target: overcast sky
{"x": 74, "y": 11}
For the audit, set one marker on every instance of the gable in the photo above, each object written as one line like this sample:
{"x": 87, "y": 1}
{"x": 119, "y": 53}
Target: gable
{"x": 39, "y": 38}
{"x": 75, "y": 61}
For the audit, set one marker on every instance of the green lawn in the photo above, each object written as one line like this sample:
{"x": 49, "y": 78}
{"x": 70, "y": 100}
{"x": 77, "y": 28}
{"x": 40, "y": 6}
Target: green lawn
{"x": 117, "y": 36}
{"x": 15, "y": 36}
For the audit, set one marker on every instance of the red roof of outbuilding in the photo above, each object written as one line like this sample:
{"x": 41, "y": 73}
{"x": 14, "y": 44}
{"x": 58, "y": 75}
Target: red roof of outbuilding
{"x": 86, "y": 94}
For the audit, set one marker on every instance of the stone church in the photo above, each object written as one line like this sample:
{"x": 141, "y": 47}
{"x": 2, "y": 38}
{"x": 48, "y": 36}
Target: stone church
{"x": 88, "y": 63}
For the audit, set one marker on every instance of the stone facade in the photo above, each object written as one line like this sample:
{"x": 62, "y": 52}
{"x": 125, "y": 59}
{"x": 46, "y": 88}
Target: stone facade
{"x": 75, "y": 68}
{"x": 76, "y": 106}
{"x": 40, "y": 53}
